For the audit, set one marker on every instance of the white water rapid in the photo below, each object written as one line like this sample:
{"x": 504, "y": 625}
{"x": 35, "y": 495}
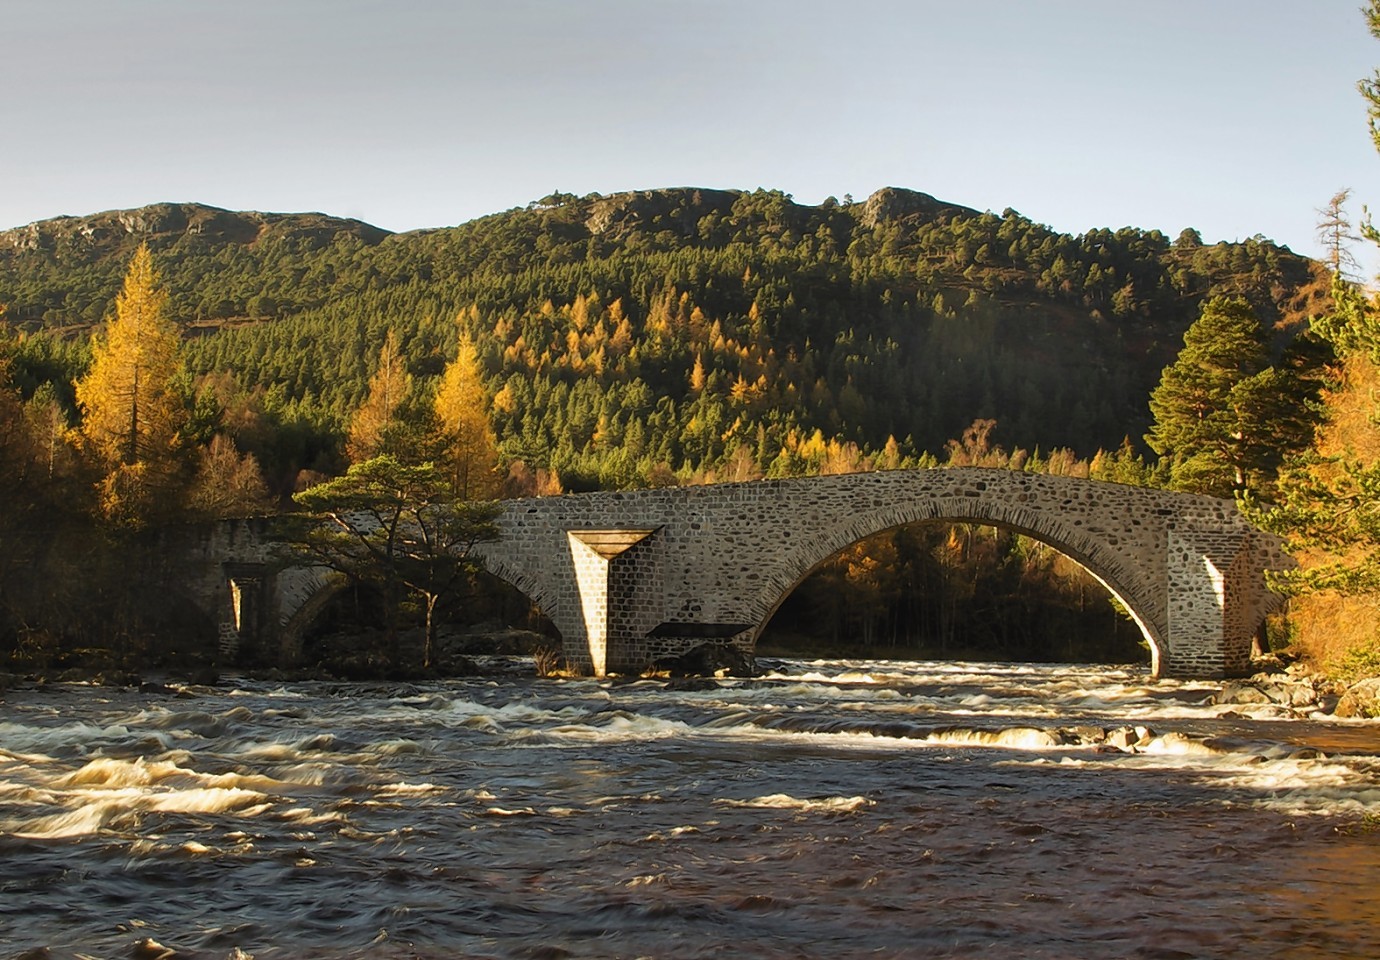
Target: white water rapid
{"x": 828, "y": 810}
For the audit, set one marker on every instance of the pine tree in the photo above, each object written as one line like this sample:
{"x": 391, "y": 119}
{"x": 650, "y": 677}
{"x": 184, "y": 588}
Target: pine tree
{"x": 1224, "y": 417}
{"x": 395, "y": 525}
{"x": 1336, "y": 234}
{"x": 467, "y": 450}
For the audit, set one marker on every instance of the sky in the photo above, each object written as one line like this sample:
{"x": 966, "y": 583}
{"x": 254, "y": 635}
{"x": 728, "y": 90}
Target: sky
{"x": 1236, "y": 117}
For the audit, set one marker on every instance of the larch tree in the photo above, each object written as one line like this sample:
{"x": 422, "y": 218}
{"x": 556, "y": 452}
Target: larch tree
{"x": 1325, "y": 507}
{"x": 131, "y": 401}
{"x": 466, "y": 447}
{"x": 227, "y": 483}
{"x": 1327, "y": 503}
{"x": 377, "y": 427}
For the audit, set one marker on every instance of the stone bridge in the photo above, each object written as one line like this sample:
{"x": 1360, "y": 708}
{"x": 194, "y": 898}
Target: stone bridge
{"x": 630, "y": 577}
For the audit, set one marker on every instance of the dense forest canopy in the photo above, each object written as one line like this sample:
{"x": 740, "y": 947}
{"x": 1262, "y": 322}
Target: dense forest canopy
{"x": 681, "y": 328}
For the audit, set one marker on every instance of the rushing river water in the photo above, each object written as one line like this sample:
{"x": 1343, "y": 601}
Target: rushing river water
{"x": 831, "y": 810}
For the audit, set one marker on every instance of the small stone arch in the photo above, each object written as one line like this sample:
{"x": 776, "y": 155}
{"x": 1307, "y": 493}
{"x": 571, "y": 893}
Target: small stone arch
{"x": 186, "y": 626}
{"x": 537, "y": 591}
{"x": 322, "y": 585}
{"x": 308, "y": 591}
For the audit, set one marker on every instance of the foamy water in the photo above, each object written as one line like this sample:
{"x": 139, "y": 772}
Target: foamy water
{"x": 831, "y": 809}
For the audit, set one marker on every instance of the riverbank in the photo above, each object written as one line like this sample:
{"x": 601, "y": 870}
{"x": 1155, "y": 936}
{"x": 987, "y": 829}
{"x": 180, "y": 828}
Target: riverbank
{"x": 1292, "y": 684}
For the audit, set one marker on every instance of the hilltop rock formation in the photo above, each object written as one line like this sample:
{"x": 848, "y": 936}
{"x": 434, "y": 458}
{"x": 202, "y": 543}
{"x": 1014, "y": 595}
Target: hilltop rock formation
{"x": 114, "y": 230}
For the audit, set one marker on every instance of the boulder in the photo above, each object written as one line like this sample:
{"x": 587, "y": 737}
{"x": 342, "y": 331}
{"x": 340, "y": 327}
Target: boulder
{"x": 1123, "y": 738}
{"x": 709, "y": 660}
{"x": 1084, "y": 734}
{"x": 1281, "y": 689}
{"x": 691, "y": 684}
{"x": 1361, "y": 699}
{"x": 1240, "y": 691}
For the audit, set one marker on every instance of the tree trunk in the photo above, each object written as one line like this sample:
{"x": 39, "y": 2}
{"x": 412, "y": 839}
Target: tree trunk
{"x": 429, "y": 643}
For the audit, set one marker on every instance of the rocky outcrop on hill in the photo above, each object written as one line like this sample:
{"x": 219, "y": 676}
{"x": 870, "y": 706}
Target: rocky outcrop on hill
{"x": 114, "y": 230}
{"x": 891, "y": 204}
{"x": 679, "y": 210}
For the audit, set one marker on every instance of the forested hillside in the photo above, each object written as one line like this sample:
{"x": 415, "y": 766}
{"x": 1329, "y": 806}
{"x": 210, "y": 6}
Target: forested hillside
{"x": 674, "y": 330}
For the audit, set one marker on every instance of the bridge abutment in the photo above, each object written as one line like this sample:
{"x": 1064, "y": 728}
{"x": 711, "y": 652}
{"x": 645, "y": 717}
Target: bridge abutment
{"x": 1216, "y": 599}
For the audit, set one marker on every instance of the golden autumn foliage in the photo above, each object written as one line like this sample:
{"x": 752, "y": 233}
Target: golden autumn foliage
{"x": 697, "y": 375}
{"x": 1336, "y": 629}
{"x": 467, "y": 451}
{"x": 376, "y": 427}
{"x": 227, "y": 483}
{"x": 131, "y": 407}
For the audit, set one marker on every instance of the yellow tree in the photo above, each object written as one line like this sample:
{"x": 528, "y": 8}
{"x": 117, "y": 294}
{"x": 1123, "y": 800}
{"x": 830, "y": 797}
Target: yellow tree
{"x": 227, "y": 483}
{"x": 376, "y": 427}
{"x": 131, "y": 404}
{"x": 467, "y": 450}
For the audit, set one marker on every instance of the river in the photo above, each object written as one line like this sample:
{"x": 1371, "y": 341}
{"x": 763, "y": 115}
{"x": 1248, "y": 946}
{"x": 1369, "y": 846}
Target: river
{"x": 831, "y": 809}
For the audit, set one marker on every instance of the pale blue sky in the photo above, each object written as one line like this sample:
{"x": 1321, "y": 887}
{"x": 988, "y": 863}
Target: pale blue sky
{"x": 1235, "y": 116}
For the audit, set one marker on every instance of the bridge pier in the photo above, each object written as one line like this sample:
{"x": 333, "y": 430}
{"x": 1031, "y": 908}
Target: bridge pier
{"x": 1214, "y": 603}
{"x": 246, "y": 624}
{"x": 619, "y": 590}
{"x": 621, "y": 630}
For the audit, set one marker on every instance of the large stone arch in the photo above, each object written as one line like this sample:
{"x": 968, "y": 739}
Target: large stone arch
{"x": 1188, "y": 568}
{"x": 1090, "y": 554}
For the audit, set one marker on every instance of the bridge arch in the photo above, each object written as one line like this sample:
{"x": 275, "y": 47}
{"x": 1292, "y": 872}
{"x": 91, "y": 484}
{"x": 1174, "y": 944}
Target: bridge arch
{"x": 307, "y": 592}
{"x": 321, "y": 586}
{"x": 1070, "y": 540}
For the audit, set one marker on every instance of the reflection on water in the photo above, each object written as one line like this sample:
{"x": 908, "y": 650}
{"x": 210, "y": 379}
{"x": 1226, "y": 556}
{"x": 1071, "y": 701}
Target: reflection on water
{"x": 832, "y": 809}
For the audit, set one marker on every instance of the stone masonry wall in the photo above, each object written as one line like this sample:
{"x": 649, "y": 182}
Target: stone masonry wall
{"x": 726, "y": 555}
